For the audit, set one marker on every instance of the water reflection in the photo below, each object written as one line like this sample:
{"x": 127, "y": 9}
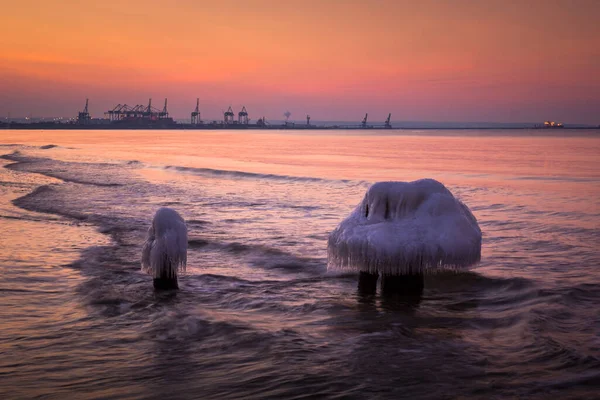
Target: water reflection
{"x": 257, "y": 315}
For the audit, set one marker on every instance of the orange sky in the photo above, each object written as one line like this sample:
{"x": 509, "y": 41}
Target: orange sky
{"x": 505, "y": 60}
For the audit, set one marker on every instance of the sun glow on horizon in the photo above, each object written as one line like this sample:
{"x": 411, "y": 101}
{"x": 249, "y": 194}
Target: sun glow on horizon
{"x": 431, "y": 60}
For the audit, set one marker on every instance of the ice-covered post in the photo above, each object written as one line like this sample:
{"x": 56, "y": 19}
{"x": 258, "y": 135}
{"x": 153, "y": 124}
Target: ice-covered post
{"x": 404, "y": 230}
{"x": 165, "y": 251}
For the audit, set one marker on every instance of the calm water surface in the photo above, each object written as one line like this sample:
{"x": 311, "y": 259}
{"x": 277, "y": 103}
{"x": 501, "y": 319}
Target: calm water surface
{"x": 258, "y": 315}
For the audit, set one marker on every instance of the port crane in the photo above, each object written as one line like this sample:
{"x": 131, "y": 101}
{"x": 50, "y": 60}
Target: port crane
{"x": 140, "y": 113}
{"x": 388, "y": 125}
{"x": 228, "y": 116}
{"x": 83, "y": 117}
{"x": 196, "y": 114}
{"x": 243, "y": 116}
{"x": 363, "y": 124}
{"x": 164, "y": 113}
{"x": 113, "y": 115}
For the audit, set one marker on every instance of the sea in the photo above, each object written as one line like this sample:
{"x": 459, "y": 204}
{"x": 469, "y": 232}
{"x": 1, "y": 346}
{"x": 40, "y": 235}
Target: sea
{"x": 258, "y": 314}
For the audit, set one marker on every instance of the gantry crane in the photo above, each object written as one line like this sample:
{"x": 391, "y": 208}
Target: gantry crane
{"x": 243, "y": 116}
{"x": 228, "y": 116}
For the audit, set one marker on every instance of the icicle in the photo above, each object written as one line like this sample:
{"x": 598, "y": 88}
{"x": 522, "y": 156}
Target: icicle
{"x": 164, "y": 254}
{"x": 406, "y": 228}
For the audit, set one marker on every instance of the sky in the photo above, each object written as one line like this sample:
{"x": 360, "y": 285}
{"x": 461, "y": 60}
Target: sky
{"x": 454, "y": 60}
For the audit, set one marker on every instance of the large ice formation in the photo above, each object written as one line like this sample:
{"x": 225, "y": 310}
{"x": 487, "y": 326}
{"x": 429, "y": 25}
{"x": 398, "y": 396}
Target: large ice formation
{"x": 404, "y": 228}
{"x": 165, "y": 251}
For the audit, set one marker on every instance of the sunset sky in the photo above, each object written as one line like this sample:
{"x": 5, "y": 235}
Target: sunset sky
{"x": 497, "y": 61}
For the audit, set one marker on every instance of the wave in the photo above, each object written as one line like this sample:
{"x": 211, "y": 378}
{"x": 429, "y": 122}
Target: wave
{"x": 262, "y": 256}
{"x": 234, "y": 247}
{"x": 219, "y": 173}
{"x": 35, "y": 201}
{"x": 556, "y": 179}
{"x": 74, "y": 171}
{"x": 98, "y": 174}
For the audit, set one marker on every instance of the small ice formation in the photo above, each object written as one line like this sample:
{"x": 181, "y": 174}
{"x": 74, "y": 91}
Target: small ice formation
{"x": 164, "y": 254}
{"x": 404, "y": 230}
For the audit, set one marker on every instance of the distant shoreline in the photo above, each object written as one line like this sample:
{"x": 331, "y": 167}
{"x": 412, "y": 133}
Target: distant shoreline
{"x": 254, "y": 127}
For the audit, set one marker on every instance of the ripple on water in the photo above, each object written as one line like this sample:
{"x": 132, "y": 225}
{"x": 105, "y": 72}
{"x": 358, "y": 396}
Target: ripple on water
{"x": 257, "y": 315}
